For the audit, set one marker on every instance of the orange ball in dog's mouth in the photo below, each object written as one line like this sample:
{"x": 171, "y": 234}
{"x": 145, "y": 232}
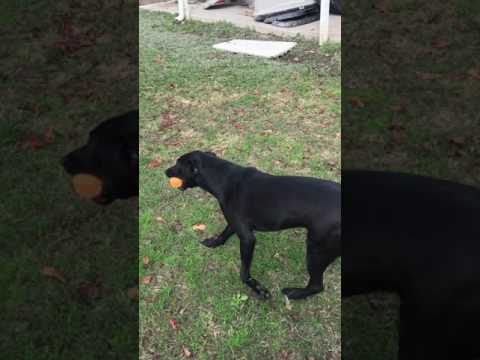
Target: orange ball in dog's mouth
{"x": 176, "y": 182}
{"x": 87, "y": 186}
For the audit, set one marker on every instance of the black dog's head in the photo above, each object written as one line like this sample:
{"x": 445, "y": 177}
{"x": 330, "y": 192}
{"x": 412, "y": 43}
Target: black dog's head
{"x": 111, "y": 154}
{"x": 189, "y": 168}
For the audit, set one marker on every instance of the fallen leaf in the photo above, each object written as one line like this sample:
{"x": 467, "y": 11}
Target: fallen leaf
{"x": 153, "y": 164}
{"x": 288, "y": 305}
{"x": 32, "y": 142}
{"x": 49, "y": 135}
{"x": 167, "y": 120}
{"x": 356, "y": 102}
{"x": 158, "y": 59}
{"x": 132, "y": 293}
{"x": 160, "y": 219}
{"x": 50, "y": 271}
{"x": 186, "y": 352}
{"x": 398, "y": 108}
{"x": 284, "y": 354}
{"x": 146, "y": 260}
{"x": 238, "y": 126}
{"x": 188, "y": 133}
{"x": 427, "y": 76}
{"x": 199, "y": 227}
{"x": 441, "y": 44}
{"x": 150, "y": 299}
{"x": 173, "y": 324}
{"x": 147, "y": 279}
{"x": 277, "y": 256}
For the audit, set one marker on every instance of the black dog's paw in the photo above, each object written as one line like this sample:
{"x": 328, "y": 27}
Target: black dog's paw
{"x": 299, "y": 293}
{"x": 261, "y": 293}
{"x": 212, "y": 242}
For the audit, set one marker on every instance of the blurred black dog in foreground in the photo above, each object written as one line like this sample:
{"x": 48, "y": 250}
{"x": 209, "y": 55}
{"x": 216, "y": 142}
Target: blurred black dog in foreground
{"x": 110, "y": 155}
{"x": 418, "y": 237}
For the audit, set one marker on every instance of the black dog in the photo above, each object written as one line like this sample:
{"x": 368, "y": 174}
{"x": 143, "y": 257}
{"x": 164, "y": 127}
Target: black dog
{"x": 420, "y": 238}
{"x": 112, "y": 155}
{"x": 255, "y": 201}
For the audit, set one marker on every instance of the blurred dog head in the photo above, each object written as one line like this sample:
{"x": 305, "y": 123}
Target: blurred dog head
{"x": 111, "y": 155}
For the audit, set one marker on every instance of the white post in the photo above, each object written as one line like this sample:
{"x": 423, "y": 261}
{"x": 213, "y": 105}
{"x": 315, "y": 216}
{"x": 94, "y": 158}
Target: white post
{"x": 324, "y": 18}
{"x": 183, "y": 11}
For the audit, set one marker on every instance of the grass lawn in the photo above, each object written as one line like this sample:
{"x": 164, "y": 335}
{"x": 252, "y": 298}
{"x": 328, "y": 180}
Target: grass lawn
{"x": 282, "y": 116}
{"x": 56, "y": 86}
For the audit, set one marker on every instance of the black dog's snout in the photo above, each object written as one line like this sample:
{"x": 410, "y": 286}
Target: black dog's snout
{"x": 67, "y": 163}
{"x": 169, "y": 172}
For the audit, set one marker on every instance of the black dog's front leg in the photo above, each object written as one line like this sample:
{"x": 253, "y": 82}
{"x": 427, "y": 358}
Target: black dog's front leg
{"x": 247, "y": 246}
{"x": 220, "y": 239}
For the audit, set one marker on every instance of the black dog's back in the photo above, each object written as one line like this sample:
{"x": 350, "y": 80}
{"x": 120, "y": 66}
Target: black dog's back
{"x": 263, "y": 194}
{"x": 418, "y": 237}
{"x": 406, "y": 226}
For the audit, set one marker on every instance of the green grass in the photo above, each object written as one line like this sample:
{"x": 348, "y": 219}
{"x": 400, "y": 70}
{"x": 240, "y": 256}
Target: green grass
{"x": 282, "y": 116}
{"x": 41, "y": 222}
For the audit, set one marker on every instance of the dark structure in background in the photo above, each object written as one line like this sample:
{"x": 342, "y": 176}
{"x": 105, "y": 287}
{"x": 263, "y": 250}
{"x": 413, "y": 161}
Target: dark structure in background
{"x": 69, "y": 268}
{"x": 410, "y": 105}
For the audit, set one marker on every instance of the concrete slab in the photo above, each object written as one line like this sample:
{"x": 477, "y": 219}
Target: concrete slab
{"x": 242, "y": 16}
{"x": 268, "y": 49}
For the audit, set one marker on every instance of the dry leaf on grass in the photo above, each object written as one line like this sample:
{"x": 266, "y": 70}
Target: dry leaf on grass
{"x": 356, "y": 102}
{"x": 146, "y": 260}
{"x": 147, "y": 279}
{"x": 173, "y": 324}
{"x": 288, "y": 305}
{"x": 51, "y": 272}
{"x": 199, "y": 227}
{"x": 49, "y": 135}
{"x": 160, "y": 219}
{"x": 186, "y": 352}
{"x": 154, "y": 163}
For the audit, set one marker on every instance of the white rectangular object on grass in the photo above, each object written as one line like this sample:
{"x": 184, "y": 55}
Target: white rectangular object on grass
{"x": 268, "y": 49}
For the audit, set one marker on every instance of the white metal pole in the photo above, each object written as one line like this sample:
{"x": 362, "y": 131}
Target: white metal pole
{"x": 324, "y": 18}
{"x": 181, "y": 10}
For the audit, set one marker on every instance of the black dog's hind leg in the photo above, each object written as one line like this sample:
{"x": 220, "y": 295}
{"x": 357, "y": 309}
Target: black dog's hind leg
{"x": 220, "y": 239}
{"x": 321, "y": 252}
{"x": 247, "y": 246}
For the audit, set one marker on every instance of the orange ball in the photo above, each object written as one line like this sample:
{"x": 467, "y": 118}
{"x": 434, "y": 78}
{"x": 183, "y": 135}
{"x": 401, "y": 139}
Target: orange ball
{"x": 176, "y": 182}
{"x": 87, "y": 186}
